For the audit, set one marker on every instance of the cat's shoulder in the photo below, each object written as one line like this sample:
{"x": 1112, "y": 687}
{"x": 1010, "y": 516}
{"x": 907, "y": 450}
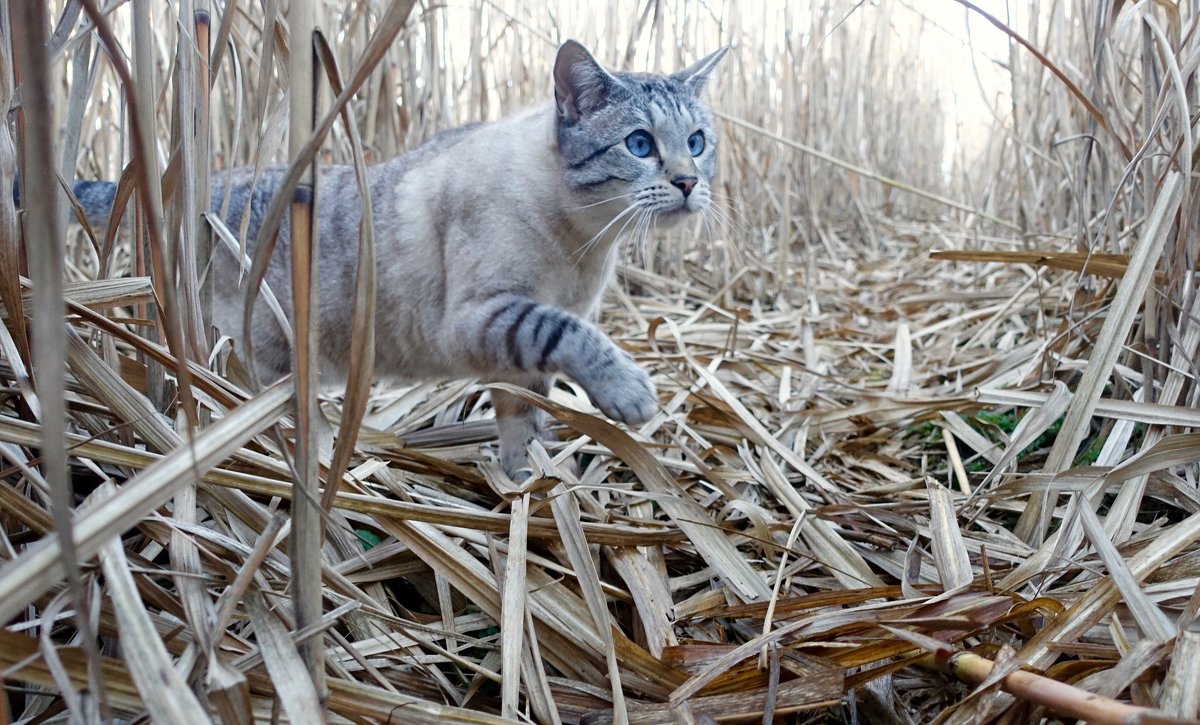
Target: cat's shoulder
{"x": 528, "y": 125}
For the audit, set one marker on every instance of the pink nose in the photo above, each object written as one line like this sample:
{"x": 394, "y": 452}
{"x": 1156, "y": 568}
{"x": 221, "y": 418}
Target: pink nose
{"x": 684, "y": 184}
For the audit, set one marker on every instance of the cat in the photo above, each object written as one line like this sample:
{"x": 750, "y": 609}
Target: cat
{"x": 494, "y": 242}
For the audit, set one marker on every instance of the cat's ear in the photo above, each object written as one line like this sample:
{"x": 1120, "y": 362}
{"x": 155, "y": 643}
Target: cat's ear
{"x": 696, "y": 75}
{"x": 581, "y": 86}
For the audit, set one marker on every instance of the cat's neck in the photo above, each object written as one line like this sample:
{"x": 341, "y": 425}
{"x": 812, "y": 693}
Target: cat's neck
{"x": 580, "y": 219}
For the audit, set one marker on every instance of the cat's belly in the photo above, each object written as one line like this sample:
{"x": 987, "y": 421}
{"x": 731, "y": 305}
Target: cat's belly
{"x": 407, "y": 320}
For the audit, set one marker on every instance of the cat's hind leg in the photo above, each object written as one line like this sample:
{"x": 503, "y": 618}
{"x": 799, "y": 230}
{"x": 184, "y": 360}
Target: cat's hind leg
{"x": 519, "y": 423}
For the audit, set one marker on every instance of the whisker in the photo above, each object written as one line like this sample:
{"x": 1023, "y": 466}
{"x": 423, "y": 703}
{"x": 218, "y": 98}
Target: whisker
{"x": 625, "y": 264}
{"x": 640, "y": 233}
{"x": 604, "y": 201}
{"x": 706, "y": 221}
{"x": 583, "y": 250}
{"x": 717, "y": 215}
{"x": 724, "y": 210}
{"x": 727, "y": 222}
{"x": 642, "y": 212}
{"x": 715, "y": 225}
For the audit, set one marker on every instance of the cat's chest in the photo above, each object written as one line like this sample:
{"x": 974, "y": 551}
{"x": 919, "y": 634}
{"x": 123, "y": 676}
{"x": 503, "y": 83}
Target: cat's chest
{"x": 577, "y": 285}
{"x": 569, "y": 273}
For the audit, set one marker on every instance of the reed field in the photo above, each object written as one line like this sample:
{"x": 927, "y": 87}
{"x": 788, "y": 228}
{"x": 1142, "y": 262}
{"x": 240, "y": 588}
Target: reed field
{"x": 927, "y": 431}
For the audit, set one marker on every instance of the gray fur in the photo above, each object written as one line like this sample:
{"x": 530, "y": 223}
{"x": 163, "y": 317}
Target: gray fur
{"x": 494, "y": 242}
{"x": 96, "y": 197}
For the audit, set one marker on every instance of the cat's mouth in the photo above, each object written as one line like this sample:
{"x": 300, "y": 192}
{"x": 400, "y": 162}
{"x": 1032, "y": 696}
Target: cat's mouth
{"x": 675, "y": 214}
{"x": 667, "y": 207}
{"x": 688, "y": 206}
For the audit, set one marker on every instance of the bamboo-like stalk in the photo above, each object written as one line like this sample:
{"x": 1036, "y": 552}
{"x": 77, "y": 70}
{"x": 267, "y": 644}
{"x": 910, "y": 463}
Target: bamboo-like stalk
{"x": 204, "y": 238}
{"x": 306, "y": 511}
{"x": 1058, "y": 696}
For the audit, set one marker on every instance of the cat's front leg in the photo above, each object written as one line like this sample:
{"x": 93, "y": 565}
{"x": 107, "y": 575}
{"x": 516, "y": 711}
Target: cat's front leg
{"x": 511, "y": 332}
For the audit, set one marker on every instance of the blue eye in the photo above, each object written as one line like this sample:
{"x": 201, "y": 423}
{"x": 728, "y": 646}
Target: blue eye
{"x": 696, "y": 143}
{"x": 640, "y": 144}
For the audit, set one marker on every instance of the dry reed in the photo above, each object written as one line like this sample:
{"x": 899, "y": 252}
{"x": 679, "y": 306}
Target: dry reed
{"x": 927, "y": 442}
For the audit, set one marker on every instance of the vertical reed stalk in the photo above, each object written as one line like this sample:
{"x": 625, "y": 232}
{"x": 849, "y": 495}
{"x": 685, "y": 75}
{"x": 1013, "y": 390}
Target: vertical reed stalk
{"x": 10, "y": 243}
{"x": 44, "y": 247}
{"x": 150, "y": 203}
{"x": 306, "y": 511}
{"x": 204, "y": 238}
{"x": 187, "y": 208}
{"x": 362, "y": 337}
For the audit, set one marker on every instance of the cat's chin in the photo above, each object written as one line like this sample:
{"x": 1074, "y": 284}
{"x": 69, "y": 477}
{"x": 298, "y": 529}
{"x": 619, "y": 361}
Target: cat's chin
{"x": 671, "y": 217}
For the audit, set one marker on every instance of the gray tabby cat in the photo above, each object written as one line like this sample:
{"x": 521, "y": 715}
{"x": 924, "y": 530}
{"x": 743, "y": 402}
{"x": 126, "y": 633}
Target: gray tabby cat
{"x": 494, "y": 242}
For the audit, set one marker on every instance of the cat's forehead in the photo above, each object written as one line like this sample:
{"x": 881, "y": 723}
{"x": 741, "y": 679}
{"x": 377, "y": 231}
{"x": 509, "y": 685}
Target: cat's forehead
{"x": 662, "y": 100}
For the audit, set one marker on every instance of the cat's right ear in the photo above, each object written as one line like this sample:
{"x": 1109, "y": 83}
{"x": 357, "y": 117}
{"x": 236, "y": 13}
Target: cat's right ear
{"x": 696, "y": 75}
{"x": 581, "y": 86}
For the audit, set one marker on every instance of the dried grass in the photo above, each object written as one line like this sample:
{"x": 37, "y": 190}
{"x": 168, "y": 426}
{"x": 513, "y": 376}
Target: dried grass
{"x": 927, "y": 442}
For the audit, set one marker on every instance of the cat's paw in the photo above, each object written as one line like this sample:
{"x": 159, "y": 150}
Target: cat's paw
{"x": 514, "y": 438}
{"x": 624, "y": 392}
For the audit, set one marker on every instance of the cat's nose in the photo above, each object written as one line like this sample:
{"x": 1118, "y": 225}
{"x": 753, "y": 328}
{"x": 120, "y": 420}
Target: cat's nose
{"x": 684, "y": 184}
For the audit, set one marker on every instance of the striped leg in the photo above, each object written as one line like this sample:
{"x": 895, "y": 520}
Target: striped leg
{"x": 512, "y": 333}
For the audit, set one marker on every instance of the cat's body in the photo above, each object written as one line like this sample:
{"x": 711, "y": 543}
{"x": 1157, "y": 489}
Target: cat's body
{"x": 494, "y": 243}
{"x": 444, "y": 267}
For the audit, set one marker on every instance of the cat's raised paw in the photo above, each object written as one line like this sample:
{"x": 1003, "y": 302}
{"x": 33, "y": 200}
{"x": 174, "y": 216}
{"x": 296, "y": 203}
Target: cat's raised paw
{"x": 625, "y": 393}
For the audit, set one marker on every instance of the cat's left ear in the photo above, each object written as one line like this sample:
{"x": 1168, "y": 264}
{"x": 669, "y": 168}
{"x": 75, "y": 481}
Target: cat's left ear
{"x": 581, "y": 85}
{"x": 696, "y": 75}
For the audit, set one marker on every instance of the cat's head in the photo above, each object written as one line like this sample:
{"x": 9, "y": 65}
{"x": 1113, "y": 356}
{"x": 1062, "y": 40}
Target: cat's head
{"x": 642, "y": 140}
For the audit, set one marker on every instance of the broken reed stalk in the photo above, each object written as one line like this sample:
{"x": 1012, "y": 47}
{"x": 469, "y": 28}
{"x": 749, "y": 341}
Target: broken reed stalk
{"x": 362, "y": 334}
{"x": 307, "y": 522}
{"x": 865, "y": 173}
{"x": 1059, "y": 697}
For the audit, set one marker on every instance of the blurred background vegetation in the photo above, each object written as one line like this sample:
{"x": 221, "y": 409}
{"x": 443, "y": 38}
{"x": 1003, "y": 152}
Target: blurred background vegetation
{"x": 877, "y": 87}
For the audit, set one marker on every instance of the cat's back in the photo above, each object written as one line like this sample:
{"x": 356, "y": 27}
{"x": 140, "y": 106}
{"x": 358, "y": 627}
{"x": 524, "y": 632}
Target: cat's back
{"x": 477, "y": 164}
{"x": 475, "y": 168}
